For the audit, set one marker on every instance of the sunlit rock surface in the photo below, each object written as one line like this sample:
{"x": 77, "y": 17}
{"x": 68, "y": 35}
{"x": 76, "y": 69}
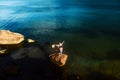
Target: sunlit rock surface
{"x": 30, "y": 41}
{"x": 8, "y": 37}
{"x": 60, "y": 60}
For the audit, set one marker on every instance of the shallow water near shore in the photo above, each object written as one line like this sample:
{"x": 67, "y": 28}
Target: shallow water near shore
{"x": 90, "y": 31}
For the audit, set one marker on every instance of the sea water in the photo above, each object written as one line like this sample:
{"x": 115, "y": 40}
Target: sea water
{"x": 90, "y": 29}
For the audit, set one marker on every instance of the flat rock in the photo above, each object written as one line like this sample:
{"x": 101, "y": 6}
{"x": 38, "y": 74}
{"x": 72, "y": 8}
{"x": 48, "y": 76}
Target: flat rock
{"x": 60, "y": 60}
{"x": 8, "y": 37}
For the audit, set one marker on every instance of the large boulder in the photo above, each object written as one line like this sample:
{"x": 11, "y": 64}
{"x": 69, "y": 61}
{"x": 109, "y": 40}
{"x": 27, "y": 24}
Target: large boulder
{"x": 8, "y": 37}
{"x": 60, "y": 60}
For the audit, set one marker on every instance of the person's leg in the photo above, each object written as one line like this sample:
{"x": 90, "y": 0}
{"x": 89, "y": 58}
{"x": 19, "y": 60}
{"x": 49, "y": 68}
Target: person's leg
{"x": 61, "y": 51}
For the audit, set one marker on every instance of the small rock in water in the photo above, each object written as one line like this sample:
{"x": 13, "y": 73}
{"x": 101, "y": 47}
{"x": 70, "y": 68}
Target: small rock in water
{"x": 3, "y": 51}
{"x": 31, "y": 41}
{"x": 60, "y": 60}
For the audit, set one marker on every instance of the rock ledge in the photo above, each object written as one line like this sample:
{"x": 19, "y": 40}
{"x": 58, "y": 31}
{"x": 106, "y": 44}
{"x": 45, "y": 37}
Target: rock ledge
{"x": 8, "y": 37}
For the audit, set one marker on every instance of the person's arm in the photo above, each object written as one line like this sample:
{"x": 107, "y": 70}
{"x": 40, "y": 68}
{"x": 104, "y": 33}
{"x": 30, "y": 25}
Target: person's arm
{"x": 62, "y": 42}
{"x": 56, "y": 45}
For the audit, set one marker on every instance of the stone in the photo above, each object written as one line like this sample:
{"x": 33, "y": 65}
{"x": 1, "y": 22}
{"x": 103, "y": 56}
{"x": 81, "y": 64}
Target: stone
{"x": 60, "y": 60}
{"x": 30, "y": 52}
{"x": 3, "y": 51}
{"x": 8, "y": 37}
{"x": 31, "y": 41}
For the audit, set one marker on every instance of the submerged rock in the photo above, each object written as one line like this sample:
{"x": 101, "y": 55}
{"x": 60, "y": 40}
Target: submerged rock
{"x": 60, "y": 60}
{"x": 8, "y": 37}
{"x": 31, "y": 52}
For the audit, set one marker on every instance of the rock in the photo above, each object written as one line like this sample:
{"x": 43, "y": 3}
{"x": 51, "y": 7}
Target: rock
{"x": 3, "y": 51}
{"x": 31, "y": 41}
{"x": 31, "y": 52}
{"x": 36, "y": 53}
{"x": 8, "y": 37}
{"x": 19, "y": 54}
{"x": 60, "y": 60}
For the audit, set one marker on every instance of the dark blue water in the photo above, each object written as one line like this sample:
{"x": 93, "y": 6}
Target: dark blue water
{"x": 90, "y": 29}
